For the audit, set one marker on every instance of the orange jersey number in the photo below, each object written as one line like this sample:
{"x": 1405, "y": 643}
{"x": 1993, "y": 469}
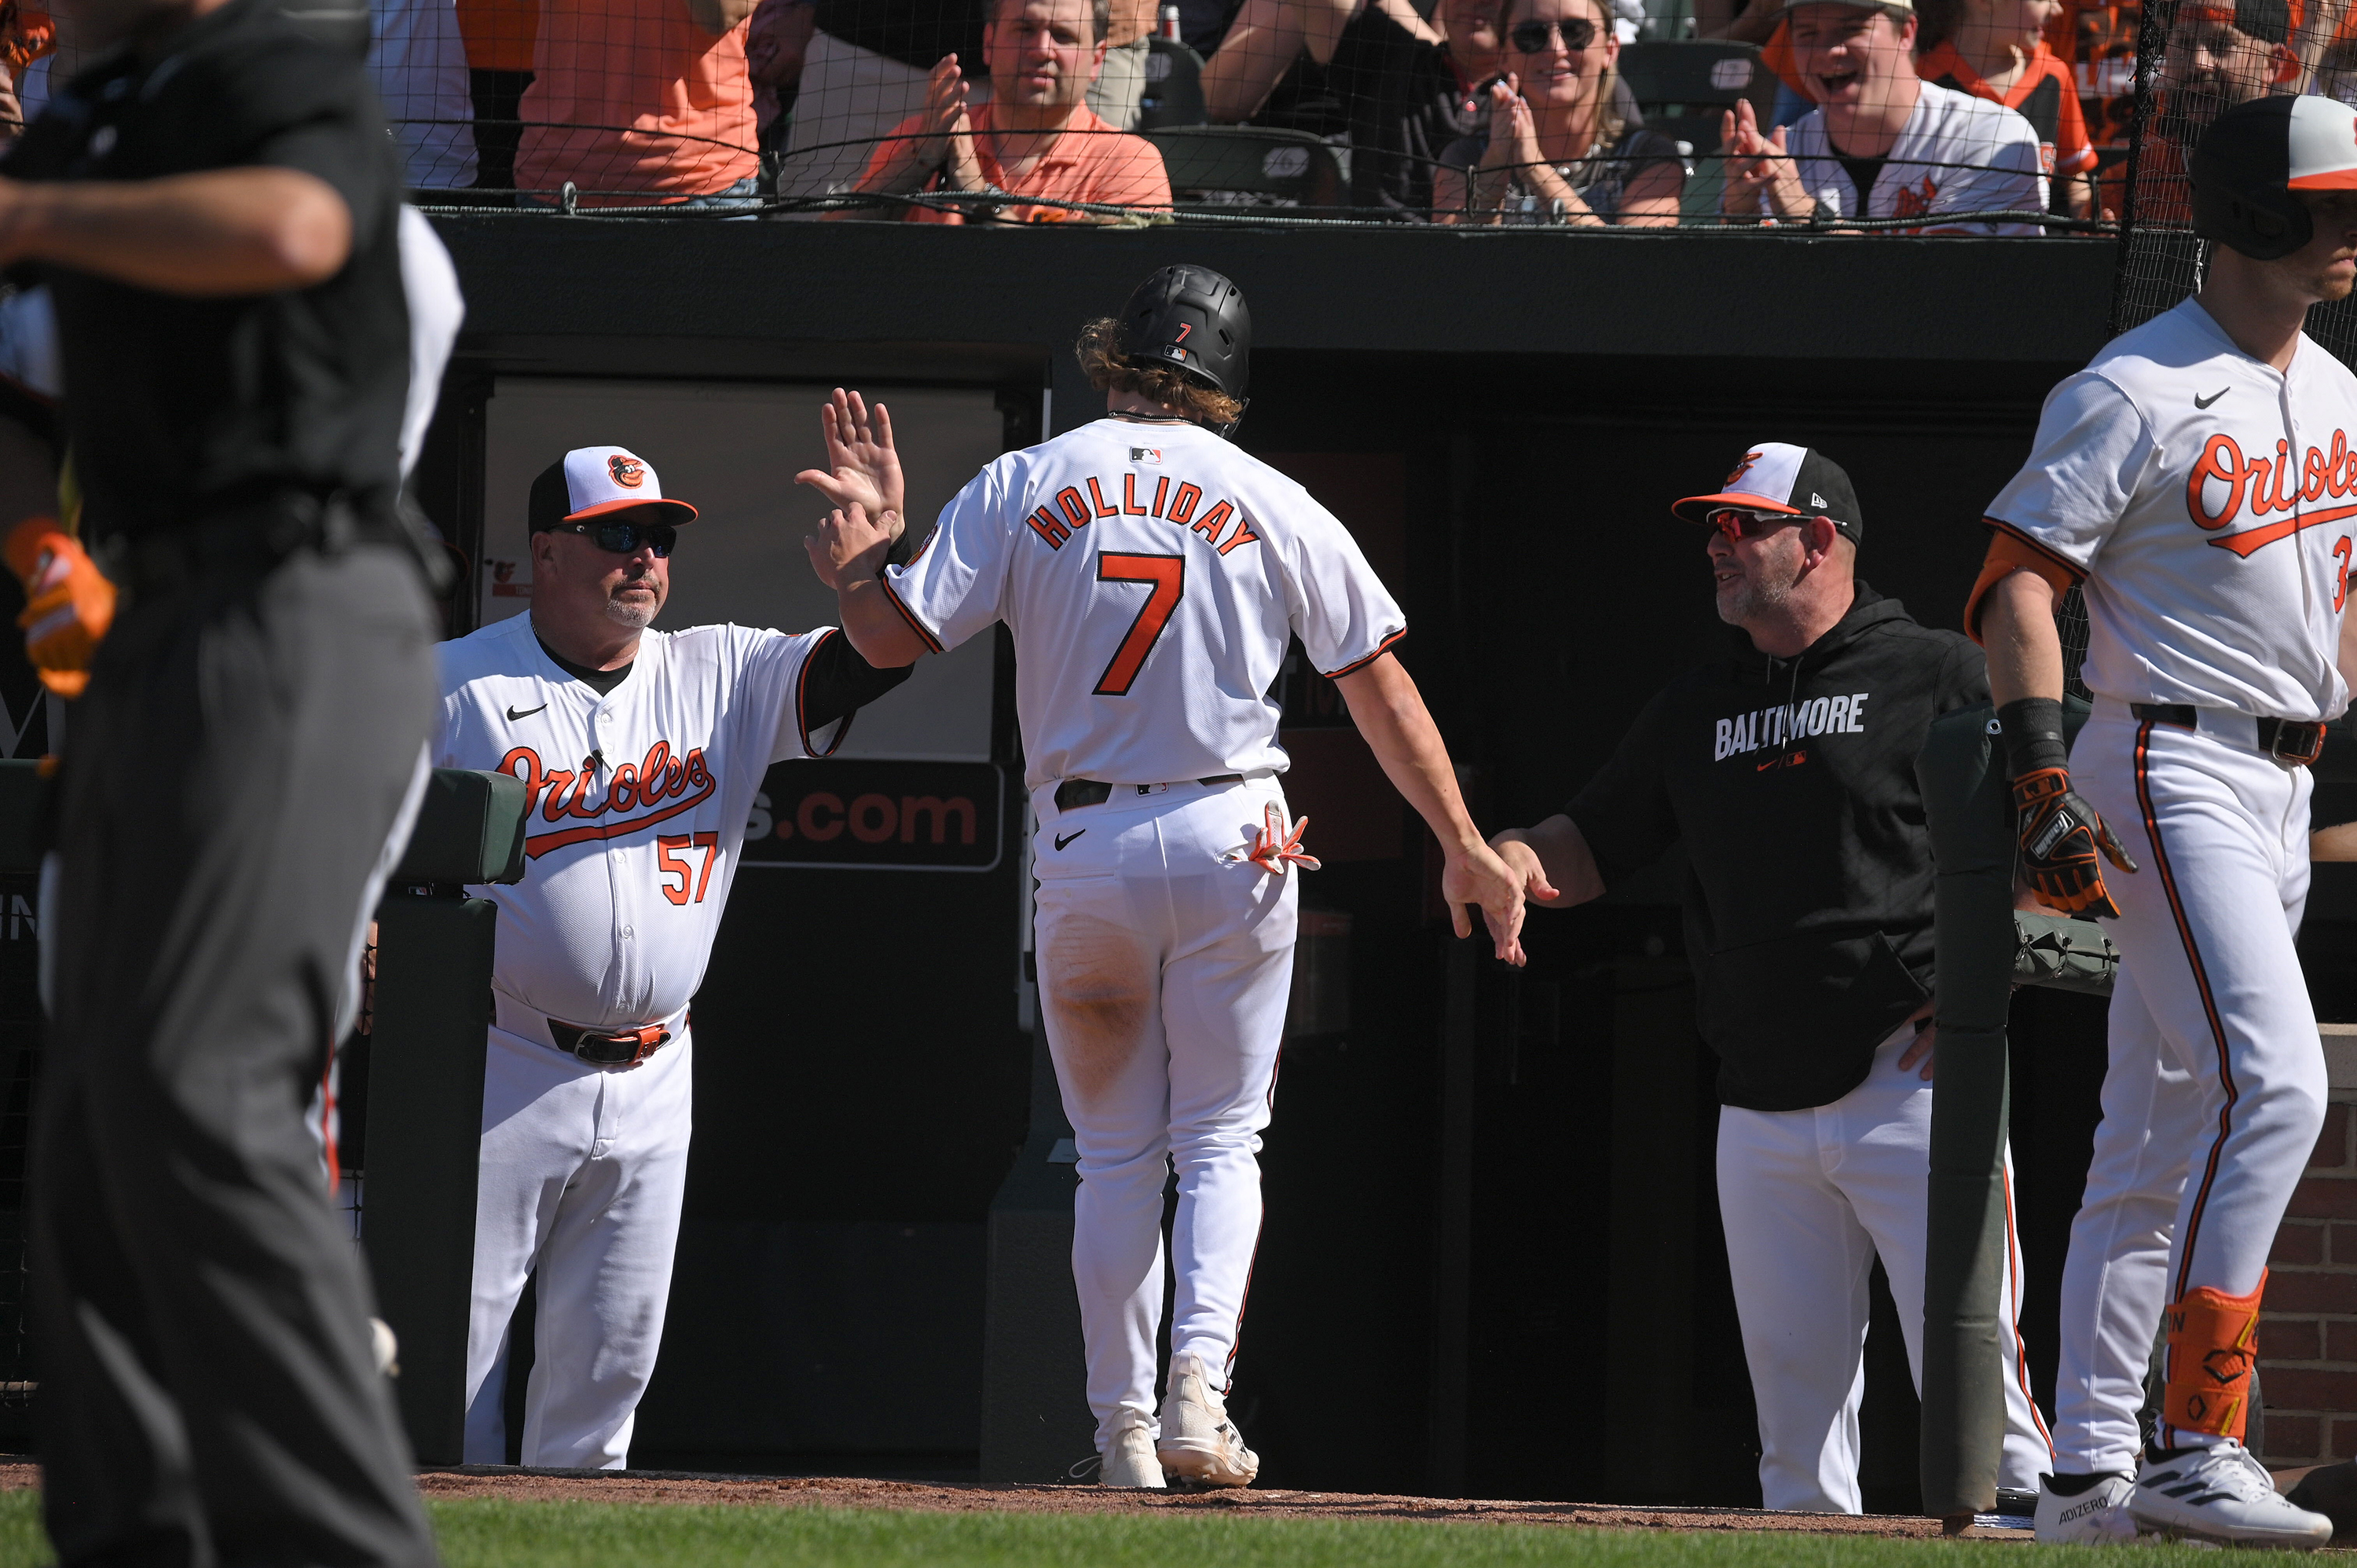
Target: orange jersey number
{"x": 669, "y": 864}
{"x": 2341, "y": 578}
{"x": 1168, "y": 575}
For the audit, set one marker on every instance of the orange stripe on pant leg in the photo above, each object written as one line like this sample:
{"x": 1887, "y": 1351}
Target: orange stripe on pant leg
{"x": 2020, "y": 1351}
{"x": 2208, "y": 1011}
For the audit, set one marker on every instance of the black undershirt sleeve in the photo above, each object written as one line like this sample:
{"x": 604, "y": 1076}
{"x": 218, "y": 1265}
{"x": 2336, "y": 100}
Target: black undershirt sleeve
{"x": 837, "y": 681}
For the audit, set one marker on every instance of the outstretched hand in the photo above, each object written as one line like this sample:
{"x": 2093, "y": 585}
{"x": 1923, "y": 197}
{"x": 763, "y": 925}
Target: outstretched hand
{"x": 1477, "y": 876}
{"x": 863, "y": 467}
{"x": 1755, "y": 164}
{"x": 850, "y": 545}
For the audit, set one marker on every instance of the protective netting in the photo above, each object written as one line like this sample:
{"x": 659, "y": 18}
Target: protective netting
{"x": 2208, "y": 56}
{"x": 1973, "y": 116}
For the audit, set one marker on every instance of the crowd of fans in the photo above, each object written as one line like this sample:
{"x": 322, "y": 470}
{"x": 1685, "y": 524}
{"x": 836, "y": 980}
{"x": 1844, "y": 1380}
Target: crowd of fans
{"x": 1969, "y": 116}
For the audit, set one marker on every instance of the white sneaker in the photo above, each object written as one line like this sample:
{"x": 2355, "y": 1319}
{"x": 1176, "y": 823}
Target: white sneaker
{"x": 1198, "y": 1442}
{"x": 2222, "y": 1494}
{"x": 1129, "y": 1459}
{"x": 2096, "y": 1517}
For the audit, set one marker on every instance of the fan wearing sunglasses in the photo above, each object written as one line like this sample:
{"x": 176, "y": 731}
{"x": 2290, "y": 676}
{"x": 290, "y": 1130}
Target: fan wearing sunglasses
{"x": 640, "y": 753}
{"x": 1560, "y": 147}
{"x": 1786, "y": 767}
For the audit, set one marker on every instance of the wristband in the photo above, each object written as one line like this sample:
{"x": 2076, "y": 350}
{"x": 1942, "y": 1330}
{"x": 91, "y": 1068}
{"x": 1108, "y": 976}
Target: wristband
{"x": 2033, "y": 736}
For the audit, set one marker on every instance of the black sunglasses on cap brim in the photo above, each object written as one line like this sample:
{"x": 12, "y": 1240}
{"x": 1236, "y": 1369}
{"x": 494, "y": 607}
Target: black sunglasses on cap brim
{"x": 620, "y": 536}
{"x": 1530, "y": 38}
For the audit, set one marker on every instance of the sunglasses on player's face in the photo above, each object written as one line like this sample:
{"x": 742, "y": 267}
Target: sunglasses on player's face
{"x": 1530, "y": 38}
{"x": 623, "y": 537}
{"x": 1737, "y": 524}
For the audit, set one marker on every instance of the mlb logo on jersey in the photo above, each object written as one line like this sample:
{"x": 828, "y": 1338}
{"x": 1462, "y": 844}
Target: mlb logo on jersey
{"x": 1147, "y": 455}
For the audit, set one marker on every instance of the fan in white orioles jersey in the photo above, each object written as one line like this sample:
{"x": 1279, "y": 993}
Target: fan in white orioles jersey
{"x": 2198, "y": 477}
{"x": 1151, "y": 574}
{"x": 640, "y": 752}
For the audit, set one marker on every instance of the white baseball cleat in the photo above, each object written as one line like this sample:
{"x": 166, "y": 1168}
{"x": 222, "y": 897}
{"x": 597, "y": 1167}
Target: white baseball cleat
{"x": 2096, "y": 1517}
{"x": 1129, "y": 1459}
{"x": 1199, "y": 1443}
{"x": 2223, "y": 1495}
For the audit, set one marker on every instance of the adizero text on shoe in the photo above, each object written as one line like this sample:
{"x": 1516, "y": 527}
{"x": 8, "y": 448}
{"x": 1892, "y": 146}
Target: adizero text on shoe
{"x": 1199, "y": 1444}
{"x": 2222, "y": 1494}
{"x": 1129, "y": 1459}
{"x": 2095, "y": 1516}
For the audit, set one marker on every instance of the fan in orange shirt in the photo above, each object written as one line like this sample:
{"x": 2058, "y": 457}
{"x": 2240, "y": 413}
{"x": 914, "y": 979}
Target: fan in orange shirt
{"x": 1999, "y": 52}
{"x": 1035, "y": 142}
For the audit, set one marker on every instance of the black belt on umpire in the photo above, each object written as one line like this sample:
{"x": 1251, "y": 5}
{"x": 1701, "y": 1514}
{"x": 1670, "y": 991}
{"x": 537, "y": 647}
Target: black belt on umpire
{"x": 2290, "y": 741}
{"x": 1074, "y": 793}
{"x": 258, "y": 536}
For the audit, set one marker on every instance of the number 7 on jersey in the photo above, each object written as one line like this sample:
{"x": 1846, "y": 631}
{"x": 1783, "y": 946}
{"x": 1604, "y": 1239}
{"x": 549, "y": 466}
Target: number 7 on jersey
{"x": 1168, "y": 577}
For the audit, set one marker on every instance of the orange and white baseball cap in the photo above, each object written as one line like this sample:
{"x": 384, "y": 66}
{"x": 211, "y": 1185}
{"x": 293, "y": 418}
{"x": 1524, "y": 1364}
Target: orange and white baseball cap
{"x": 1778, "y": 477}
{"x": 592, "y": 481}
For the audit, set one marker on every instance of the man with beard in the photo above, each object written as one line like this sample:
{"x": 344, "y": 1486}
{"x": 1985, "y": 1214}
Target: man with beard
{"x": 1788, "y": 770}
{"x": 2218, "y": 56}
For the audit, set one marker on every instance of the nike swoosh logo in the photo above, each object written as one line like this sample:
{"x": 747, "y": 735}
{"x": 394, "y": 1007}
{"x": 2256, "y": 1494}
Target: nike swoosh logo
{"x": 2213, "y": 397}
{"x": 514, "y": 714}
{"x": 1064, "y": 839}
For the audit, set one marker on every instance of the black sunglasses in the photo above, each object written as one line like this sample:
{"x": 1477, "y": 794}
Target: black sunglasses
{"x": 623, "y": 537}
{"x": 1530, "y": 38}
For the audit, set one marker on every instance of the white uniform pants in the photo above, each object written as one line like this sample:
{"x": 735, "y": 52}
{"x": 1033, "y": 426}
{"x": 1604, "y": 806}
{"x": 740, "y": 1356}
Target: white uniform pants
{"x": 582, "y": 1175}
{"x": 2215, "y": 1091}
{"x": 1164, "y": 960}
{"x": 1809, "y": 1198}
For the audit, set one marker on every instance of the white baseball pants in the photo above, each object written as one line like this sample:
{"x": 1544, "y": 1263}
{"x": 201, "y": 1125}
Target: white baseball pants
{"x": 1165, "y": 961}
{"x": 2215, "y": 1091}
{"x": 1809, "y": 1198}
{"x": 583, "y": 1172}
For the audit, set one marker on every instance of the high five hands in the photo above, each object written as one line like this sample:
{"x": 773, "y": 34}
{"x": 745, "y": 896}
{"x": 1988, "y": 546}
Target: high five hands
{"x": 862, "y": 480}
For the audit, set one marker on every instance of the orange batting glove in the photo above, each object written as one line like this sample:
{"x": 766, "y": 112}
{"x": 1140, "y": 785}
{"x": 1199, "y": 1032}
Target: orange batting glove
{"x": 69, "y": 602}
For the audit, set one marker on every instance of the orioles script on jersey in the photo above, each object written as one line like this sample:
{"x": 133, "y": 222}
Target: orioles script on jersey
{"x": 2234, "y": 481}
{"x": 664, "y": 784}
{"x": 1178, "y": 503}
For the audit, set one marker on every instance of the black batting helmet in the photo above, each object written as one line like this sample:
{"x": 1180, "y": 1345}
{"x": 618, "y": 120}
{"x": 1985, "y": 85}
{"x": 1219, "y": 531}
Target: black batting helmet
{"x": 2256, "y": 157}
{"x": 1194, "y": 319}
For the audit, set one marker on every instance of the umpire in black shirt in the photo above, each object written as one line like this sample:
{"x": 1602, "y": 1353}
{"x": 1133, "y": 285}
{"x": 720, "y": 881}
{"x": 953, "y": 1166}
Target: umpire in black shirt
{"x": 212, "y": 203}
{"x": 1788, "y": 769}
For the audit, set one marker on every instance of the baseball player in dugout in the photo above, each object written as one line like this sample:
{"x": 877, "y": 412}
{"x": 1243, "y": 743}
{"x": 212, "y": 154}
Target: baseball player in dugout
{"x": 1788, "y": 770}
{"x": 640, "y": 752}
{"x": 212, "y": 206}
{"x": 2198, "y": 480}
{"x": 1152, "y": 574}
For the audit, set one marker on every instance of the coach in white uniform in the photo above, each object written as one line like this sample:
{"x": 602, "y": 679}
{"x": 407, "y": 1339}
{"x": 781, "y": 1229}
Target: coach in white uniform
{"x": 1152, "y": 574}
{"x": 641, "y": 751}
{"x": 2199, "y": 479}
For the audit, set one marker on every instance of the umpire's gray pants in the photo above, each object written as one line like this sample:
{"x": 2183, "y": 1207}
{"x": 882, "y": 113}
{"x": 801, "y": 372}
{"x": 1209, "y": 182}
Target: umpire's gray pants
{"x": 229, "y": 784}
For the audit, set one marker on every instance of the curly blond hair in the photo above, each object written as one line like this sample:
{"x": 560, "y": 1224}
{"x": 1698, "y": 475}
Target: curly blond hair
{"x": 1109, "y": 370}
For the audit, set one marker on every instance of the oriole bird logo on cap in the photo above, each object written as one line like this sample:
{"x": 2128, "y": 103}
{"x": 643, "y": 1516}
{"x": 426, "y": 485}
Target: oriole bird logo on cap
{"x": 628, "y": 472}
{"x": 1741, "y": 468}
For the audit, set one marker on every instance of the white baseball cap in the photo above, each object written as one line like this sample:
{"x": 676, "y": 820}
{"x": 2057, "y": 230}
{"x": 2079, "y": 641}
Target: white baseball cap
{"x": 591, "y": 481}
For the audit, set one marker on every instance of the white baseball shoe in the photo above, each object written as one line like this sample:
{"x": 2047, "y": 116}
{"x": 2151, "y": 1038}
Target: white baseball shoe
{"x": 1129, "y": 1459}
{"x": 2096, "y": 1517}
{"x": 2223, "y": 1495}
{"x": 1199, "y": 1443}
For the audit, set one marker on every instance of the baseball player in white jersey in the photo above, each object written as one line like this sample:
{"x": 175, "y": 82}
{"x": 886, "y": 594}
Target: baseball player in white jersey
{"x": 2198, "y": 480}
{"x": 1152, "y": 574}
{"x": 641, "y": 751}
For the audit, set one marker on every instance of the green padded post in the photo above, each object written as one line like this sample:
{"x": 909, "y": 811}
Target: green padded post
{"x": 435, "y": 948}
{"x": 1969, "y": 812}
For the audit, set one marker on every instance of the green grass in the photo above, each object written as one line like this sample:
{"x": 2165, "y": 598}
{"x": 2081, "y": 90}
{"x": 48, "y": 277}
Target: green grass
{"x": 481, "y": 1533}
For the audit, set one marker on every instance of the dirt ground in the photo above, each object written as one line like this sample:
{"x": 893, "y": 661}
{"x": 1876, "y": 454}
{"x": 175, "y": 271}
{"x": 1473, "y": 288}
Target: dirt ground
{"x": 832, "y": 1491}
{"x": 843, "y": 1491}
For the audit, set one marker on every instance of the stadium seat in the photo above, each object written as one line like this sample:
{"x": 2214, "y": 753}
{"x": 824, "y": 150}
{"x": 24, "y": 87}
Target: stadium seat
{"x": 1248, "y": 165}
{"x": 1174, "y": 86}
{"x": 1683, "y": 87}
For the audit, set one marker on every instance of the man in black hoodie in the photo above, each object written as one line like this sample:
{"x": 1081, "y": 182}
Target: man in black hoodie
{"x": 1789, "y": 770}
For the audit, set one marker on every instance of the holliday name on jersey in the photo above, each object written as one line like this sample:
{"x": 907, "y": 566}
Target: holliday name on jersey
{"x": 1177, "y": 504}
